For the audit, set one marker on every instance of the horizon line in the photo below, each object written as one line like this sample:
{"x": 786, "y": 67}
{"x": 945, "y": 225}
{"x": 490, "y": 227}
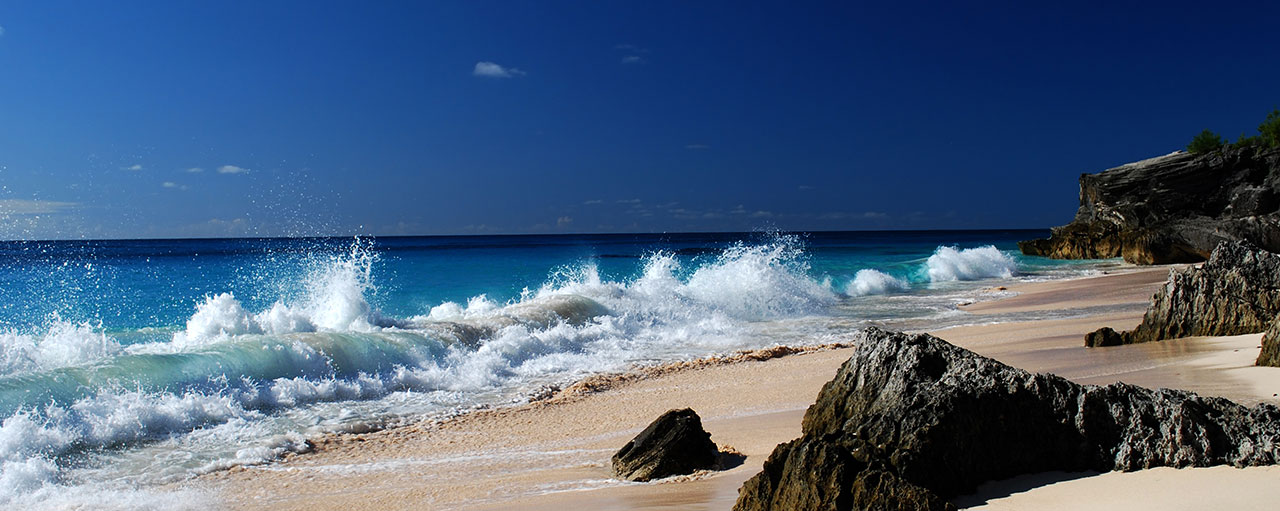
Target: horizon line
{"x": 548, "y": 234}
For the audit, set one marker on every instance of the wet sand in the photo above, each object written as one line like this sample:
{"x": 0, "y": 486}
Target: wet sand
{"x": 554, "y": 455}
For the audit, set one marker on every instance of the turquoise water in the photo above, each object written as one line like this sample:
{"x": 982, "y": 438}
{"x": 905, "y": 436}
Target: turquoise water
{"x": 129, "y": 363}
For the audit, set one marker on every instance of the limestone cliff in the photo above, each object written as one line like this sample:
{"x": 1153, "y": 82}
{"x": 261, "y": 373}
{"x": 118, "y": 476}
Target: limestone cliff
{"x": 1172, "y": 209}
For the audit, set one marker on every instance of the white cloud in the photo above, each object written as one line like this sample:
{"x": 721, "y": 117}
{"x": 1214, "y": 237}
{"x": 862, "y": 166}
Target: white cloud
{"x": 592, "y": 201}
{"x": 231, "y": 169}
{"x": 492, "y": 70}
{"x": 564, "y": 221}
{"x": 33, "y": 207}
{"x": 1, "y": 30}
{"x": 631, "y": 48}
{"x": 632, "y": 59}
{"x": 195, "y": 170}
{"x": 134, "y": 167}
{"x": 762, "y": 214}
{"x": 173, "y": 186}
{"x": 804, "y": 187}
{"x": 628, "y": 201}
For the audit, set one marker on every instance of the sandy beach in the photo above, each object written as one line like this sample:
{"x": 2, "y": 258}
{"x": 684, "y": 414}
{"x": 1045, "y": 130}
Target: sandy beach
{"x": 554, "y": 454}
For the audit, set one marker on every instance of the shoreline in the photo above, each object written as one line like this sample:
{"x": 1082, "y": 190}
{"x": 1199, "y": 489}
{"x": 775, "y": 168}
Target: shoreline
{"x": 553, "y": 452}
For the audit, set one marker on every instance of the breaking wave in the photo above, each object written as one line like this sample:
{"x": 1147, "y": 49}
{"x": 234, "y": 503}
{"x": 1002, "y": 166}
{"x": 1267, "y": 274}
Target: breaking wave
{"x": 951, "y": 264}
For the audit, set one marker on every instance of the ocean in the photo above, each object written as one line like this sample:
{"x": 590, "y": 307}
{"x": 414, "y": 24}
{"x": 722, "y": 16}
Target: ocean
{"x": 125, "y": 365}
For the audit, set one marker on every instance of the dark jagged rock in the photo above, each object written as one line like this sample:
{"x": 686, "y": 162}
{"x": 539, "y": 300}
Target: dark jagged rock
{"x": 674, "y": 444}
{"x": 911, "y": 421}
{"x": 1106, "y": 336}
{"x": 1237, "y": 291}
{"x": 1270, "y": 354}
{"x": 1172, "y": 209}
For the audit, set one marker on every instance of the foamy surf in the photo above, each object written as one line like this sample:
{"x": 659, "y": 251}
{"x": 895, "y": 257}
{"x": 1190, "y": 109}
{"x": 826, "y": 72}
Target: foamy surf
{"x": 252, "y": 370}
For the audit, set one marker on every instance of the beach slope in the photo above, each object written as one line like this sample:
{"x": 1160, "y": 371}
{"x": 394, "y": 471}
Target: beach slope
{"x": 554, "y": 454}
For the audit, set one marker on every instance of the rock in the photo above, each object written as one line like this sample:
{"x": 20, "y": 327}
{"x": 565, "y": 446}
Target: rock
{"x": 910, "y": 422}
{"x": 1105, "y": 336}
{"x": 674, "y": 444}
{"x": 1270, "y": 354}
{"x": 1237, "y": 291}
{"x": 1172, "y": 209}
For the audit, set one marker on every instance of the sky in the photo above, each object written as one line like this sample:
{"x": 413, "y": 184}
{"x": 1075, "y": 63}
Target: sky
{"x": 270, "y": 118}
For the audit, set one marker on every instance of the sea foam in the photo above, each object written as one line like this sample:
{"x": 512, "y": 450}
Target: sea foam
{"x": 951, "y": 264}
{"x": 874, "y": 282}
{"x": 240, "y": 382}
{"x": 62, "y": 344}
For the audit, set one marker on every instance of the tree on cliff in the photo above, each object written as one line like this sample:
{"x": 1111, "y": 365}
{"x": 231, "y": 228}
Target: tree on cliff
{"x": 1205, "y": 142}
{"x": 1270, "y": 129}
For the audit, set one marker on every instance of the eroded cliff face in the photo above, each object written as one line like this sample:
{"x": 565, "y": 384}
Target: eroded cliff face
{"x": 1172, "y": 209}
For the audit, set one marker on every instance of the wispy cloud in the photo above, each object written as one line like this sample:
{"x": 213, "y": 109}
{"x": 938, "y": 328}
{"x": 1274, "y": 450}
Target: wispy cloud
{"x": 628, "y": 201}
{"x": 804, "y": 187}
{"x": 1, "y": 30}
{"x": 633, "y": 53}
{"x": 592, "y": 202}
{"x": 697, "y": 147}
{"x": 173, "y": 186}
{"x": 134, "y": 167}
{"x": 195, "y": 170}
{"x": 492, "y": 70}
{"x": 564, "y": 221}
{"x": 33, "y": 207}
{"x": 231, "y": 169}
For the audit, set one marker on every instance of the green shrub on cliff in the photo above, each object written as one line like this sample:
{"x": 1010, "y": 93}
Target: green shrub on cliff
{"x": 1206, "y": 141}
{"x": 1248, "y": 141}
{"x": 1270, "y": 129}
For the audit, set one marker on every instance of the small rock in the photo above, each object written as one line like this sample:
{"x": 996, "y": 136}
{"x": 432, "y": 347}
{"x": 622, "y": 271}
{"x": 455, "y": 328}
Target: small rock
{"x": 674, "y": 444}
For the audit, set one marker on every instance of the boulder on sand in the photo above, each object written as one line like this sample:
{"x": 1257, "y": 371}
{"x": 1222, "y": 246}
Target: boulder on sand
{"x": 674, "y": 444}
{"x": 912, "y": 421}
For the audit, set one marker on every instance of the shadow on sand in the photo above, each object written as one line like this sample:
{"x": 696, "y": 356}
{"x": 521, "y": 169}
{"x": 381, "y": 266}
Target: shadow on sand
{"x": 992, "y": 490}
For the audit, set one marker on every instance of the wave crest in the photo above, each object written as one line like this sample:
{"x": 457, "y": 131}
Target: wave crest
{"x": 874, "y": 282}
{"x": 952, "y": 264}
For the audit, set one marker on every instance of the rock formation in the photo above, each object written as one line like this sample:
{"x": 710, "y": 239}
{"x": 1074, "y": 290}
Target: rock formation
{"x": 674, "y": 444}
{"x": 1237, "y": 291}
{"x": 1172, "y": 209}
{"x": 911, "y": 421}
{"x": 1270, "y": 354}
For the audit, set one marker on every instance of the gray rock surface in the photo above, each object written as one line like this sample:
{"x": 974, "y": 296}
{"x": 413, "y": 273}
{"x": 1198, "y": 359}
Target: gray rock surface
{"x": 1172, "y": 209}
{"x": 1270, "y": 354}
{"x": 1237, "y": 291}
{"x": 911, "y": 421}
{"x": 674, "y": 444}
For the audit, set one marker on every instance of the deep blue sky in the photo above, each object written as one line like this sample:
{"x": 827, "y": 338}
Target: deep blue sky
{"x": 309, "y": 118}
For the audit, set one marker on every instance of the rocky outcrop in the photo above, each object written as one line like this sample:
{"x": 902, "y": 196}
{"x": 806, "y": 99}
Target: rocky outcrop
{"x": 1172, "y": 209}
{"x": 674, "y": 444}
{"x": 911, "y": 421}
{"x": 1270, "y": 354}
{"x": 1237, "y": 291}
